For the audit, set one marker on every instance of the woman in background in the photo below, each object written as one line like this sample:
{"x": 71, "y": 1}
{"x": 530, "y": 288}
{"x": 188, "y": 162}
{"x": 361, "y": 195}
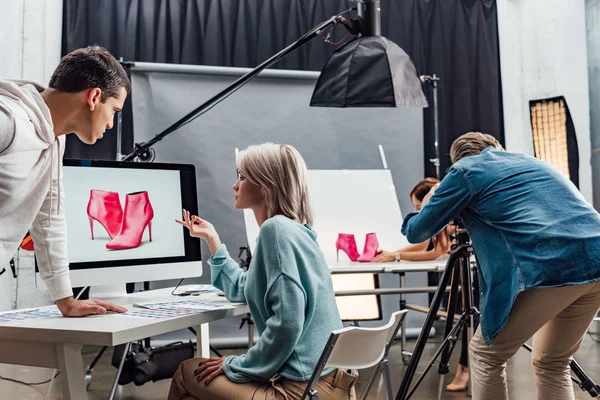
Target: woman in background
{"x": 432, "y": 249}
{"x": 288, "y": 289}
{"x": 436, "y": 247}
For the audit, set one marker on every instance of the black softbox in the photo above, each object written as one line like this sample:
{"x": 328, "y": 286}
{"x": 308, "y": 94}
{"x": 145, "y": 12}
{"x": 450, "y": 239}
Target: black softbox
{"x": 369, "y": 71}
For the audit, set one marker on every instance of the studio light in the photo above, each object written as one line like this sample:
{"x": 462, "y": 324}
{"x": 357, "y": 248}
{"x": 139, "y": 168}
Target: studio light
{"x": 368, "y": 71}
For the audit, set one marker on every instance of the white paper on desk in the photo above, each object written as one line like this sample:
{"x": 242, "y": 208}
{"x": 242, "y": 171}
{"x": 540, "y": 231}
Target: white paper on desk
{"x": 29, "y": 313}
{"x": 181, "y": 305}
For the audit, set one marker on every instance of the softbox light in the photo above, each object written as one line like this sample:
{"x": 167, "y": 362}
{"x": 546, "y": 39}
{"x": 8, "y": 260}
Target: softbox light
{"x": 369, "y": 71}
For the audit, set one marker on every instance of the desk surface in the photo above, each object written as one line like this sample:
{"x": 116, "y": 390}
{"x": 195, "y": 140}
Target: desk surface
{"x": 114, "y": 329}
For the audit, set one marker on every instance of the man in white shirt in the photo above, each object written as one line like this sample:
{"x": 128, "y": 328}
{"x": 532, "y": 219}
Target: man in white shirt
{"x": 87, "y": 88}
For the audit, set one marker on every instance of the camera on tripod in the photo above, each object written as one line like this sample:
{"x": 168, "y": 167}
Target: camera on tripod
{"x": 460, "y": 235}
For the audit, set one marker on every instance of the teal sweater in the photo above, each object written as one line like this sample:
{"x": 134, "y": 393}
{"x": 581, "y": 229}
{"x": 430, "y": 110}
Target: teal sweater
{"x": 290, "y": 295}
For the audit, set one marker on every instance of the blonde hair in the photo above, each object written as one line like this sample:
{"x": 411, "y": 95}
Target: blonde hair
{"x": 281, "y": 171}
{"x": 472, "y": 144}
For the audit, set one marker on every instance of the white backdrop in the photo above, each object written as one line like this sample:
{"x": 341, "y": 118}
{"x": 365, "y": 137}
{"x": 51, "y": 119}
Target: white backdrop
{"x": 349, "y": 201}
{"x": 357, "y": 202}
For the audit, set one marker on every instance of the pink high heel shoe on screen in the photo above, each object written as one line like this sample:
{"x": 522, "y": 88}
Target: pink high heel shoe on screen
{"x": 347, "y": 244}
{"x": 105, "y": 208}
{"x": 137, "y": 215}
{"x": 371, "y": 246}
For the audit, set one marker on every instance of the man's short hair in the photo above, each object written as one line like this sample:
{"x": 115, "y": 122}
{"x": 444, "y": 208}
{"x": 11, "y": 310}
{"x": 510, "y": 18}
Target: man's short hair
{"x": 87, "y": 68}
{"x": 472, "y": 144}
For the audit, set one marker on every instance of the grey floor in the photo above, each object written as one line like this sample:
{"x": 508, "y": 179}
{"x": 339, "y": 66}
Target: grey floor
{"x": 520, "y": 377}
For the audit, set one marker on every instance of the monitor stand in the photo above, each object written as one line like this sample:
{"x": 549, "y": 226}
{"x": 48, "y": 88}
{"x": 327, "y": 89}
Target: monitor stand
{"x": 108, "y": 292}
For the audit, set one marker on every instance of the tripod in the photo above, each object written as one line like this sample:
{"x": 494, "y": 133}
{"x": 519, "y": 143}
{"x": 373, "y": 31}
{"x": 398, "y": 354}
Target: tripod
{"x": 457, "y": 269}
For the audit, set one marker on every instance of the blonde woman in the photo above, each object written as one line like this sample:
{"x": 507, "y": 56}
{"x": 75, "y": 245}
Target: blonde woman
{"x": 287, "y": 287}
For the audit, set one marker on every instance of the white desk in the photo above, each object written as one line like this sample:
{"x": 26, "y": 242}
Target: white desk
{"x": 56, "y": 342}
{"x": 350, "y": 267}
{"x": 400, "y": 268}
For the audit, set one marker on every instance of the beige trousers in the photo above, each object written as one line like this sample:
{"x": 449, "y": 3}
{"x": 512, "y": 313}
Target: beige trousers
{"x": 558, "y": 319}
{"x": 338, "y": 385}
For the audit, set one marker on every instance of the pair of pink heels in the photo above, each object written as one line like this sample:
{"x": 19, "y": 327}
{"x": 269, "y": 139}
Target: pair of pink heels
{"x": 125, "y": 226}
{"x": 347, "y": 243}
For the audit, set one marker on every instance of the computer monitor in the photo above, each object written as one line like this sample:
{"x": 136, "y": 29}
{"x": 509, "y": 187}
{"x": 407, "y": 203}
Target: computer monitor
{"x": 105, "y": 199}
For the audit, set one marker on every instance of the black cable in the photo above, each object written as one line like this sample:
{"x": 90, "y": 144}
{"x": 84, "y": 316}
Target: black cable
{"x": 28, "y": 383}
{"x": 173, "y": 292}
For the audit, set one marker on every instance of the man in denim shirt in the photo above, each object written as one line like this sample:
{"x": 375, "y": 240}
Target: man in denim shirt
{"x": 538, "y": 246}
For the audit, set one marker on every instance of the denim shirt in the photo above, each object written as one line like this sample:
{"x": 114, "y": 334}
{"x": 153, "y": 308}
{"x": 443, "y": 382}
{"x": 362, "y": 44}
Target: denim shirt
{"x": 529, "y": 225}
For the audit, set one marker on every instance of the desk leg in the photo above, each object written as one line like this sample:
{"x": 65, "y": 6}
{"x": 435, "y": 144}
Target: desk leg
{"x": 70, "y": 363}
{"x": 202, "y": 337}
{"x": 405, "y": 354}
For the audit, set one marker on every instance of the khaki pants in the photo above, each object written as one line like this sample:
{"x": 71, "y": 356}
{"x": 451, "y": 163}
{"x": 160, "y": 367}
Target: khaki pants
{"x": 558, "y": 319}
{"x": 338, "y": 385}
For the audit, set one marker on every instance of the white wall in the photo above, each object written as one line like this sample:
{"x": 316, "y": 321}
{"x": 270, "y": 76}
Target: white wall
{"x": 30, "y": 38}
{"x": 543, "y": 54}
{"x": 593, "y": 46}
{"x": 30, "y": 47}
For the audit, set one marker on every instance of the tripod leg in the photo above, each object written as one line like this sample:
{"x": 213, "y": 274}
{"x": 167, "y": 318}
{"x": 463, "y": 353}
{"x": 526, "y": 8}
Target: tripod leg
{"x": 440, "y": 389}
{"x": 585, "y": 382}
{"x": 461, "y": 324}
{"x": 90, "y": 368}
{"x": 435, "y": 305}
{"x": 388, "y": 379}
{"x": 467, "y": 300}
{"x": 443, "y": 368}
{"x": 115, "y": 384}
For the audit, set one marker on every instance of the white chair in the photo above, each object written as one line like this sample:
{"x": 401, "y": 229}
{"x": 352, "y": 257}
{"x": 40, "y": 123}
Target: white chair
{"x": 358, "y": 348}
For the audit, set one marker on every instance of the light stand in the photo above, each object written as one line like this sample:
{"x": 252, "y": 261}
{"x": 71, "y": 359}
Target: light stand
{"x": 245, "y": 265}
{"x": 143, "y": 151}
{"x": 433, "y": 81}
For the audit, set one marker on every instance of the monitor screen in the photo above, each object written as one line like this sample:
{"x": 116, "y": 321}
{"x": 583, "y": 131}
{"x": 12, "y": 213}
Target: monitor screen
{"x": 123, "y": 213}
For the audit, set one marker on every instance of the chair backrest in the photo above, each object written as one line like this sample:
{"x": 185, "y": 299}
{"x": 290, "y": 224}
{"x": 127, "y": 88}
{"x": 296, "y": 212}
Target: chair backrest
{"x": 359, "y": 348}
{"x": 356, "y": 348}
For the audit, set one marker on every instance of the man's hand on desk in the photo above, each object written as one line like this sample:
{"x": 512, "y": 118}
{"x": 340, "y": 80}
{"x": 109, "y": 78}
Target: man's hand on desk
{"x": 69, "y": 307}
